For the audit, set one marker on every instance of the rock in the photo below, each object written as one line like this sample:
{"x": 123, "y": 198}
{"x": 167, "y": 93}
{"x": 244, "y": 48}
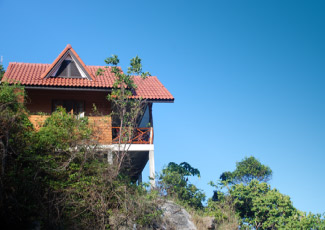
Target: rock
{"x": 208, "y": 222}
{"x": 177, "y": 217}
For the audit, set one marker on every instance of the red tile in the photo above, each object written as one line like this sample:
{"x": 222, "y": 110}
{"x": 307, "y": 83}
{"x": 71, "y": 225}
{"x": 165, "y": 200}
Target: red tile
{"x": 33, "y": 75}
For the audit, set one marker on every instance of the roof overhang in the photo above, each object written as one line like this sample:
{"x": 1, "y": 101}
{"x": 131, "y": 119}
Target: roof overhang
{"x": 68, "y": 88}
{"x": 91, "y": 89}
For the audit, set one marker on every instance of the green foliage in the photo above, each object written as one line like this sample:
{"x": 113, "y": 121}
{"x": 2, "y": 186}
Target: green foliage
{"x": 9, "y": 97}
{"x": 261, "y": 207}
{"x": 304, "y": 221}
{"x": 14, "y": 123}
{"x": 18, "y": 183}
{"x": 254, "y": 204}
{"x": 123, "y": 86}
{"x": 224, "y": 213}
{"x": 62, "y": 131}
{"x": 246, "y": 171}
{"x": 174, "y": 181}
{"x": 57, "y": 178}
{"x": 2, "y": 71}
{"x": 127, "y": 107}
{"x": 136, "y": 67}
{"x": 87, "y": 192}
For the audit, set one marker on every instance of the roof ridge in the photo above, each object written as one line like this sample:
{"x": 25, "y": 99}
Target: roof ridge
{"x": 33, "y": 63}
{"x": 66, "y": 49}
{"x": 29, "y": 63}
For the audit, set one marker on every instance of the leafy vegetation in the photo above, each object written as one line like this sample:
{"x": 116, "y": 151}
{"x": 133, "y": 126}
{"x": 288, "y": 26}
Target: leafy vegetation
{"x": 126, "y": 108}
{"x": 2, "y": 71}
{"x": 254, "y": 203}
{"x": 175, "y": 184}
{"x": 246, "y": 171}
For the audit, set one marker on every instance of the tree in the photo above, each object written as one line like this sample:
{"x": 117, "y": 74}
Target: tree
{"x": 253, "y": 204}
{"x": 2, "y": 71}
{"x": 13, "y": 122}
{"x": 246, "y": 171}
{"x": 174, "y": 181}
{"x": 19, "y": 190}
{"x": 261, "y": 207}
{"x": 127, "y": 107}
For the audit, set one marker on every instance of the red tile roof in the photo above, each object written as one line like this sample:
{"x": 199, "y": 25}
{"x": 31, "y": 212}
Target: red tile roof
{"x": 29, "y": 74}
{"x": 67, "y": 48}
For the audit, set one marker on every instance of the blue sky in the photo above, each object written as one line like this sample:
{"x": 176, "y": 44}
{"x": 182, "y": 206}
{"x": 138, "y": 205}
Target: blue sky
{"x": 248, "y": 76}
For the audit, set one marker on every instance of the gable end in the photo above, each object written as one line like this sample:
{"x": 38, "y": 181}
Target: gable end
{"x": 68, "y": 66}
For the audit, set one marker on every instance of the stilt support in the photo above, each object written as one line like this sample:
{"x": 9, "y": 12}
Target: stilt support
{"x": 152, "y": 169}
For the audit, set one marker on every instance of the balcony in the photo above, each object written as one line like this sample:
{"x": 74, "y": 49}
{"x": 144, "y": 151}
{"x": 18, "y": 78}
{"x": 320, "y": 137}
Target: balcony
{"x": 139, "y": 136}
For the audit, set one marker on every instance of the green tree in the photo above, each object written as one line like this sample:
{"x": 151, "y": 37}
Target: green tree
{"x": 127, "y": 107}
{"x": 174, "y": 180}
{"x": 19, "y": 188}
{"x": 13, "y": 122}
{"x": 246, "y": 171}
{"x": 306, "y": 221}
{"x": 2, "y": 71}
{"x": 63, "y": 131}
{"x": 254, "y": 204}
{"x": 260, "y": 206}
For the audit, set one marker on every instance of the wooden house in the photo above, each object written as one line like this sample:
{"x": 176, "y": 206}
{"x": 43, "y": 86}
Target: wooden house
{"x": 69, "y": 83}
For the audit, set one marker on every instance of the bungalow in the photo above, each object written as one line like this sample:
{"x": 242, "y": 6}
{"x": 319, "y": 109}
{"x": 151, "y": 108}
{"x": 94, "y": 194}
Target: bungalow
{"x": 69, "y": 83}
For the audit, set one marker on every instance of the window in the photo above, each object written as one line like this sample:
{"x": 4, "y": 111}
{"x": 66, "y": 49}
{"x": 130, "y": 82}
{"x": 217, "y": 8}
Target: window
{"x": 68, "y": 69}
{"x": 71, "y": 106}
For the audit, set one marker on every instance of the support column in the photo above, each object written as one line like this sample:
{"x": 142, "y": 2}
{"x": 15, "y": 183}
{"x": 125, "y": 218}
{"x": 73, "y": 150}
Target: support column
{"x": 152, "y": 169}
{"x": 110, "y": 156}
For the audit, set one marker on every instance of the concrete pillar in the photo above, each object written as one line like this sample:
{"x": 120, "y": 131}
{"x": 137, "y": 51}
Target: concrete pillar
{"x": 110, "y": 156}
{"x": 152, "y": 169}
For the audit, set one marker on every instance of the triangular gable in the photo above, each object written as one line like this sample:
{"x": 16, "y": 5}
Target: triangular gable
{"x": 68, "y": 65}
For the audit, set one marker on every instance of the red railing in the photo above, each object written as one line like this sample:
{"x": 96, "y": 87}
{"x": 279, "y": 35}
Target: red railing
{"x": 139, "y": 135}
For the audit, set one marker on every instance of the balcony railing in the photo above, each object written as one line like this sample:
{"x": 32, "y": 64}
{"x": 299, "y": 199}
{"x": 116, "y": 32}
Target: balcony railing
{"x": 138, "y": 136}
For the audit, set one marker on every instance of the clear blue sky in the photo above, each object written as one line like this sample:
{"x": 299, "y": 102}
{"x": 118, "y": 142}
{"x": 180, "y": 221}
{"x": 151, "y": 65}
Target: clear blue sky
{"x": 248, "y": 76}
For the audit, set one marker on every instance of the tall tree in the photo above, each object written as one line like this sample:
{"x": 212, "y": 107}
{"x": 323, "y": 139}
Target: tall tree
{"x": 246, "y": 170}
{"x": 261, "y": 207}
{"x": 127, "y": 107}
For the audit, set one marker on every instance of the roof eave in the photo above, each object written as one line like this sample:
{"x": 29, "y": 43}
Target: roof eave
{"x": 97, "y": 89}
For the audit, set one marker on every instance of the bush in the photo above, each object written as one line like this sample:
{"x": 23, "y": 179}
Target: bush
{"x": 174, "y": 183}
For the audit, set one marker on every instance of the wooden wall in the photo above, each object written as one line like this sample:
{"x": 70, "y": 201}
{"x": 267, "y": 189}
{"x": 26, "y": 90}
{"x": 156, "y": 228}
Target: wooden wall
{"x": 41, "y": 100}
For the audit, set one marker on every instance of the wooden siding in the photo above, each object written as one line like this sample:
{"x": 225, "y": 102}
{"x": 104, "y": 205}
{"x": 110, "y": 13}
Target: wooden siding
{"x": 41, "y": 100}
{"x": 101, "y": 126}
{"x": 102, "y": 129}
